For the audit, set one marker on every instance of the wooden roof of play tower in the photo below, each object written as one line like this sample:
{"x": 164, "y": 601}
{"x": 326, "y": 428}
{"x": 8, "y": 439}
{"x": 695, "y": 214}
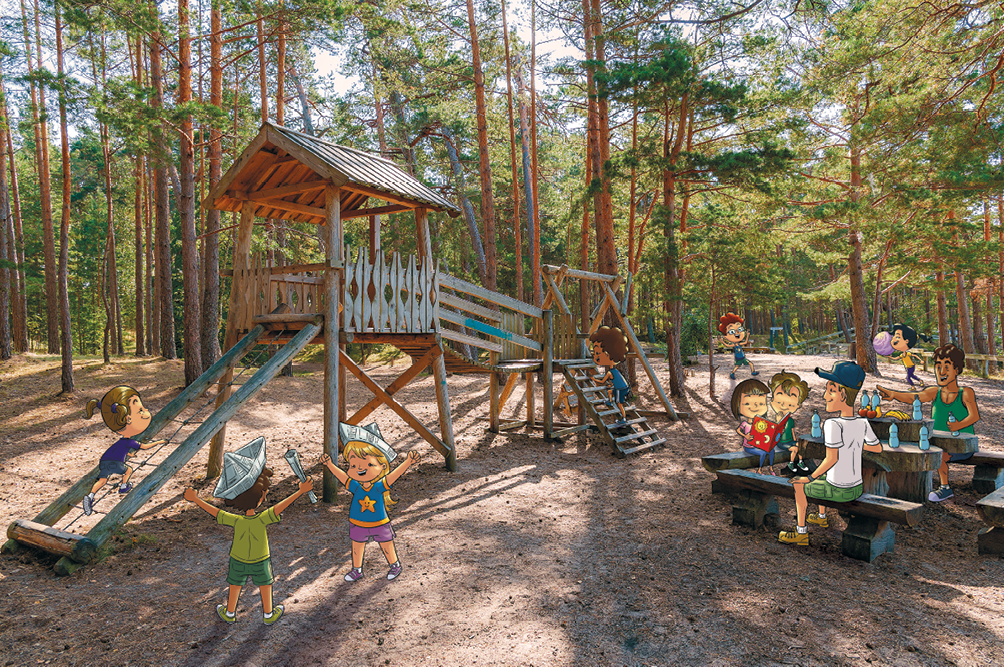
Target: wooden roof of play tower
{"x": 284, "y": 173}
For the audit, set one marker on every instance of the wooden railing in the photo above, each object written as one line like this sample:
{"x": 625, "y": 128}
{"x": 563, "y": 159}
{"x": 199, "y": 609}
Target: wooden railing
{"x": 384, "y": 295}
{"x": 499, "y": 326}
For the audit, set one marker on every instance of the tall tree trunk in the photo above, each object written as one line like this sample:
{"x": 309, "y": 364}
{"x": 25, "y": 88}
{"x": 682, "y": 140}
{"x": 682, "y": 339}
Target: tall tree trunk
{"x": 66, "y": 339}
{"x": 6, "y": 243}
{"x": 168, "y": 348}
{"x": 211, "y": 278}
{"x": 517, "y": 242}
{"x": 1000, "y": 264}
{"x": 152, "y": 260}
{"x": 449, "y": 142}
{"x": 308, "y": 126}
{"x": 189, "y": 243}
{"x": 538, "y": 292}
{"x": 864, "y": 352}
{"x": 19, "y": 301}
{"x": 991, "y": 344}
{"x": 41, "y": 128}
{"x": 606, "y": 254}
{"x": 138, "y": 229}
{"x": 944, "y": 335}
{"x": 531, "y": 204}
{"x": 484, "y": 164}
{"x": 673, "y": 281}
{"x": 584, "y": 249}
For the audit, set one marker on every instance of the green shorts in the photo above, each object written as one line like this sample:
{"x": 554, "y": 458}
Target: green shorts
{"x": 820, "y": 489}
{"x": 742, "y": 362}
{"x": 260, "y": 572}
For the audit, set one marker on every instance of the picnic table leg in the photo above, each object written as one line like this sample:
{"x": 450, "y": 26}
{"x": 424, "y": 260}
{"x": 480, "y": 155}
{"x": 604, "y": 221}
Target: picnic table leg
{"x": 911, "y": 486}
{"x": 866, "y": 538}
{"x": 750, "y": 507}
{"x": 990, "y": 541}
{"x": 987, "y": 479}
{"x": 875, "y": 482}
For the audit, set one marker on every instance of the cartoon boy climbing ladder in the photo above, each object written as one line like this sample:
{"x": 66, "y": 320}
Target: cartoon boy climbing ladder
{"x": 369, "y": 479}
{"x": 244, "y": 485}
{"x": 123, "y": 412}
{"x": 609, "y": 348}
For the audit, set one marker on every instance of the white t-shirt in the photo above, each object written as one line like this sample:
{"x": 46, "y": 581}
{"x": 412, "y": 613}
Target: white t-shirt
{"x": 849, "y": 435}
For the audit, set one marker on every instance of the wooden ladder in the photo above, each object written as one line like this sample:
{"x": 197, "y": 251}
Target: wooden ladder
{"x": 632, "y": 436}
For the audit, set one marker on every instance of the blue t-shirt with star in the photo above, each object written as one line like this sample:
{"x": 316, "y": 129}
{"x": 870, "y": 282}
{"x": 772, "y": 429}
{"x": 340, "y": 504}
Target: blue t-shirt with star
{"x": 367, "y": 508}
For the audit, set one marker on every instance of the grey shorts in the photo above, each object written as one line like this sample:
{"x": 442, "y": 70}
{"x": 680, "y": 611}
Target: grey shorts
{"x": 108, "y": 468}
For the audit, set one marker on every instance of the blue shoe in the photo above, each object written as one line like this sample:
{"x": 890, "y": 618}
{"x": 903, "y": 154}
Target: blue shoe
{"x": 732, "y": 375}
{"x": 125, "y": 488}
{"x": 755, "y": 373}
{"x": 88, "y": 505}
{"x": 941, "y": 493}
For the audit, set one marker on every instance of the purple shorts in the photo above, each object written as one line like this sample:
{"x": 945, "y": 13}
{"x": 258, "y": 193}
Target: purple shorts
{"x": 382, "y": 533}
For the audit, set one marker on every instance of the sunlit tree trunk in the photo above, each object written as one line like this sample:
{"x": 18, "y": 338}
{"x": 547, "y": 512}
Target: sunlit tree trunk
{"x": 517, "y": 242}
{"x": 944, "y": 335}
{"x": 449, "y": 142}
{"x": 535, "y": 252}
{"x": 484, "y": 164}
{"x": 6, "y": 242}
{"x": 66, "y": 338}
{"x": 211, "y": 277}
{"x": 864, "y": 352}
{"x": 163, "y": 227}
{"x": 991, "y": 348}
{"x": 606, "y": 254}
{"x": 186, "y": 174}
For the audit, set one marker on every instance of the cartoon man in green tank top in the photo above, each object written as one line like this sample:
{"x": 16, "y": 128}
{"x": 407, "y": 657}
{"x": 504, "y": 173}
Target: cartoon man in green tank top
{"x": 948, "y": 399}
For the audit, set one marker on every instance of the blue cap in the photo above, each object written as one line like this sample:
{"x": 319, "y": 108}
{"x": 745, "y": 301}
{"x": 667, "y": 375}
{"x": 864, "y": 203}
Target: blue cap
{"x": 846, "y": 373}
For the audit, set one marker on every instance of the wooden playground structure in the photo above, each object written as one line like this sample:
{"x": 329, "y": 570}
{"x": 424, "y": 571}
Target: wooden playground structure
{"x": 365, "y": 296}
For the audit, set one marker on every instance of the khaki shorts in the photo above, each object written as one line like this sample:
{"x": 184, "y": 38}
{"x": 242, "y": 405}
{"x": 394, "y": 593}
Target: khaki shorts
{"x": 820, "y": 489}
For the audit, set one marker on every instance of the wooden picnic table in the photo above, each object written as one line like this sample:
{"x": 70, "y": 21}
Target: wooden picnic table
{"x": 903, "y": 472}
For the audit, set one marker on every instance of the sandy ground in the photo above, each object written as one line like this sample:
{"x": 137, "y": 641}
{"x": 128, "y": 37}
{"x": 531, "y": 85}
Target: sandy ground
{"x": 533, "y": 553}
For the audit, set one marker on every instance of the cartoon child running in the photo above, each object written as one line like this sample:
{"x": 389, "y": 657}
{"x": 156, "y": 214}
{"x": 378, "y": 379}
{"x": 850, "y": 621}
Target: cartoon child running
{"x": 369, "y": 480}
{"x": 749, "y": 401}
{"x": 734, "y": 336}
{"x": 904, "y": 338}
{"x": 123, "y": 412}
{"x": 609, "y": 348}
{"x": 244, "y": 486}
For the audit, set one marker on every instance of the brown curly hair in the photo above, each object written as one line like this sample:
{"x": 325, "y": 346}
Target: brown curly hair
{"x": 114, "y": 407}
{"x": 725, "y": 320}
{"x": 251, "y": 498}
{"x": 613, "y": 341}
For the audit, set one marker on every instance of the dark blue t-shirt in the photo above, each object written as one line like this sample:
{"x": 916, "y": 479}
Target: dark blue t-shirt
{"x": 118, "y": 451}
{"x": 618, "y": 379}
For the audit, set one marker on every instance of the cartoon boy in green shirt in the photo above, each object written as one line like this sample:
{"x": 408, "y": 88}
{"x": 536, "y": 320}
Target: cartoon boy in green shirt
{"x": 244, "y": 485}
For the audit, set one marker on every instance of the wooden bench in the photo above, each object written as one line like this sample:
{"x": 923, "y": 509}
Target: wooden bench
{"x": 738, "y": 461}
{"x": 991, "y": 509}
{"x": 988, "y": 475}
{"x": 868, "y": 533}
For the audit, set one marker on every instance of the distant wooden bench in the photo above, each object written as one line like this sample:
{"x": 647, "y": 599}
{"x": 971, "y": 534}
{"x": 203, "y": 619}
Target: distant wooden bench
{"x": 991, "y": 509}
{"x": 868, "y": 533}
{"x": 988, "y": 476}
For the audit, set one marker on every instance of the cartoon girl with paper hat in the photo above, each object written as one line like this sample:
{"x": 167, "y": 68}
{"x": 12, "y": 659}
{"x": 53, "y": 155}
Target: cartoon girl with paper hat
{"x": 369, "y": 479}
{"x": 244, "y": 485}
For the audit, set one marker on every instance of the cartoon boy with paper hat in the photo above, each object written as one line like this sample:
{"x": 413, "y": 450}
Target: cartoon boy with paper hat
{"x": 369, "y": 479}
{"x": 244, "y": 485}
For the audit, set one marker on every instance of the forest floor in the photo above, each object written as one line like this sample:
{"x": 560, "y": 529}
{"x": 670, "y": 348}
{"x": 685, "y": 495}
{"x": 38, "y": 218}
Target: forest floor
{"x": 532, "y": 553}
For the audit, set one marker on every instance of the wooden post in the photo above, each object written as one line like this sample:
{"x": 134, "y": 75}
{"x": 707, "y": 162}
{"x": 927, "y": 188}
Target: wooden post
{"x": 494, "y": 393}
{"x": 375, "y": 236}
{"x": 531, "y": 402}
{"x": 235, "y": 315}
{"x": 332, "y": 375}
{"x": 438, "y": 364}
{"x": 548, "y": 343}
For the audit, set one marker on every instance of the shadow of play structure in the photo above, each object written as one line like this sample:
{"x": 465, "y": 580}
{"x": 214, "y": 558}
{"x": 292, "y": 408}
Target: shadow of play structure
{"x": 406, "y": 301}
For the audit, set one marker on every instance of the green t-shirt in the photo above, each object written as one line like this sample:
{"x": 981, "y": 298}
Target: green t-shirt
{"x": 250, "y": 538}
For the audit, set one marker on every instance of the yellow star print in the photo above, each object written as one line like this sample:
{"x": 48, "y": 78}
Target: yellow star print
{"x": 367, "y": 504}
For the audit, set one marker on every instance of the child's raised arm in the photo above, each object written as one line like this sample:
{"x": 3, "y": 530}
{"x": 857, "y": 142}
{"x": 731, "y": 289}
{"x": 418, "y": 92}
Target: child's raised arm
{"x": 192, "y": 496}
{"x": 339, "y": 474}
{"x": 152, "y": 444}
{"x": 304, "y": 486}
{"x": 393, "y": 475}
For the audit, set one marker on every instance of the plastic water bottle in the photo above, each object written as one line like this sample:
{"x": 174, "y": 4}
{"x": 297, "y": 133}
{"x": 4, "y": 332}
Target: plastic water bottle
{"x": 864, "y": 399}
{"x": 893, "y": 436}
{"x": 876, "y": 401}
{"x": 952, "y": 420}
{"x": 925, "y": 443}
{"x": 816, "y": 431}
{"x": 917, "y": 414}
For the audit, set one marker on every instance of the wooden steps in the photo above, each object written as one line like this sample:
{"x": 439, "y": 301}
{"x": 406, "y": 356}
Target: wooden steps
{"x": 628, "y": 437}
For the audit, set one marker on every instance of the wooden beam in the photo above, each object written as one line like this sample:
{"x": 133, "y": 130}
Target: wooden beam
{"x": 305, "y": 157}
{"x": 489, "y": 330}
{"x": 291, "y": 189}
{"x": 235, "y": 169}
{"x": 581, "y": 275}
{"x": 510, "y": 385}
{"x": 397, "y": 385}
{"x": 548, "y": 370}
{"x": 385, "y": 196}
{"x": 333, "y": 248}
{"x": 288, "y": 206}
{"x": 452, "y": 301}
{"x": 377, "y": 210}
{"x": 556, "y": 294}
{"x": 470, "y": 340}
{"x": 389, "y": 401}
{"x": 52, "y": 540}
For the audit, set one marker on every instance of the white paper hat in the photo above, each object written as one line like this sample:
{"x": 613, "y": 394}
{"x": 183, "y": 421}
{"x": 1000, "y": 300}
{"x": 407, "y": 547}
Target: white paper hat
{"x": 241, "y": 469}
{"x": 369, "y": 434}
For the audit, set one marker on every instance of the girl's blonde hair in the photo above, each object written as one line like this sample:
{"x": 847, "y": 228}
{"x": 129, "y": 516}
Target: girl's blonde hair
{"x": 114, "y": 407}
{"x": 361, "y": 450}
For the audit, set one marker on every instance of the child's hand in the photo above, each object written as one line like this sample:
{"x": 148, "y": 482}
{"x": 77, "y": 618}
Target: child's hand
{"x": 325, "y": 459}
{"x": 413, "y": 456}
{"x": 306, "y": 485}
{"x": 191, "y": 495}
